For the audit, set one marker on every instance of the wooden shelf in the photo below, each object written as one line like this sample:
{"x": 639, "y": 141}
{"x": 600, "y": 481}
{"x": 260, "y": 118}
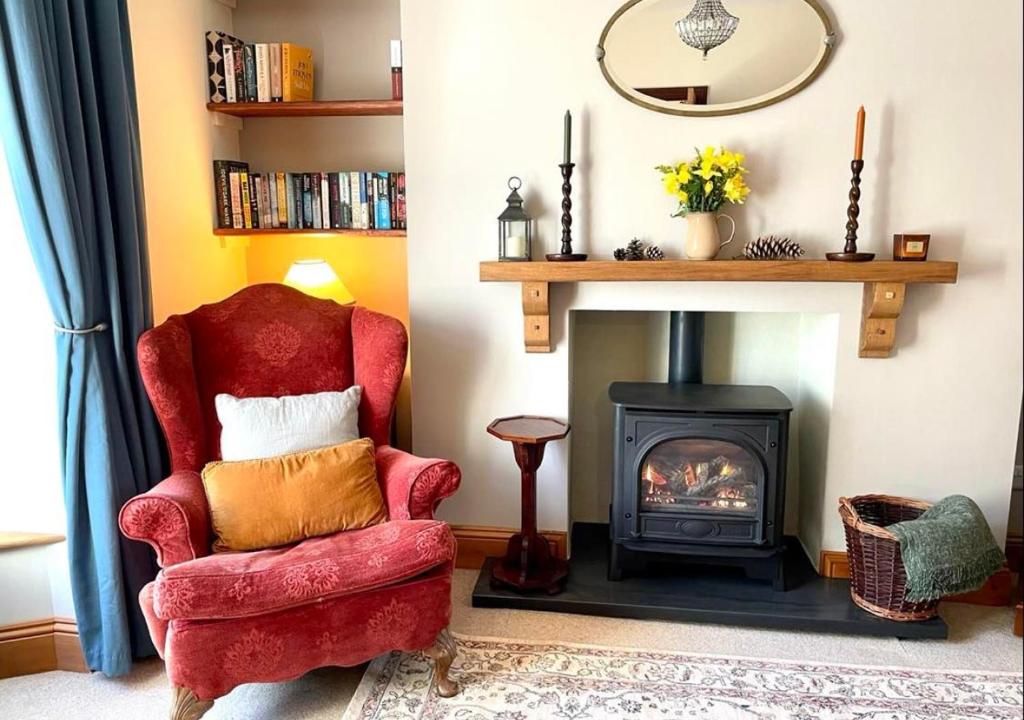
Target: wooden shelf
{"x": 885, "y": 283}
{"x": 719, "y": 270}
{"x": 315, "y": 108}
{"x": 248, "y": 232}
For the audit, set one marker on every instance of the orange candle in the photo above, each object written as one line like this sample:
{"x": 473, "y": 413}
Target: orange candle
{"x": 858, "y": 145}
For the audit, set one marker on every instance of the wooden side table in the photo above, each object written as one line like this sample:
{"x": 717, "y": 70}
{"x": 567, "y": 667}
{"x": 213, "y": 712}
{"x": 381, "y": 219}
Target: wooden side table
{"x": 528, "y": 563}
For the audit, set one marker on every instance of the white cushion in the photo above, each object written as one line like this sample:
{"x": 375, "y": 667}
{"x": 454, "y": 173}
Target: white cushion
{"x": 262, "y": 427}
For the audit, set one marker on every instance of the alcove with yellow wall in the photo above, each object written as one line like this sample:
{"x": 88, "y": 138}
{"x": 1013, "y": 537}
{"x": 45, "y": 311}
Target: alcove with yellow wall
{"x": 191, "y": 261}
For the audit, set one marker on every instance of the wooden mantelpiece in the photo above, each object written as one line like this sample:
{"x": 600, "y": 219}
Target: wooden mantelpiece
{"x": 884, "y": 283}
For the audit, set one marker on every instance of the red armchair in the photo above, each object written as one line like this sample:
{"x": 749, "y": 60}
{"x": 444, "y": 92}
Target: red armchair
{"x": 220, "y": 620}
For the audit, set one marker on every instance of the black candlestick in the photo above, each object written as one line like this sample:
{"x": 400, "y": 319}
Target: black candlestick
{"x": 566, "y": 254}
{"x": 849, "y": 253}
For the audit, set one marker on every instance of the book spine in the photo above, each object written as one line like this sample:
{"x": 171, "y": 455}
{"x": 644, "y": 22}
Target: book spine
{"x": 335, "y": 192}
{"x": 289, "y": 184}
{"x": 375, "y": 179}
{"x": 275, "y": 72}
{"x": 315, "y": 209}
{"x": 262, "y": 72}
{"x": 254, "y": 200}
{"x": 237, "y": 220}
{"x": 325, "y": 201}
{"x": 286, "y": 70}
{"x": 249, "y": 53}
{"x": 222, "y": 191}
{"x": 265, "y": 218}
{"x": 245, "y": 196}
{"x": 274, "y": 207}
{"x": 238, "y": 54}
{"x": 353, "y": 190}
{"x": 282, "y": 200}
{"x": 346, "y": 200}
{"x": 396, "y": 69}
{"x": 383, "y": 206}
{"x": 401, "y": 202}
{"x": 258, "y": 194}
{"x": 229, "y": 73}
{"x": 364, "y": 201}
{"x": 393, "y": 199}
{"x": 307, "y": 202}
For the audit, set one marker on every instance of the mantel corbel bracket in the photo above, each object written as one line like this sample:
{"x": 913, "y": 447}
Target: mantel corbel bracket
{"x": 536, "y": 317}
{"x": 883, "y": 303}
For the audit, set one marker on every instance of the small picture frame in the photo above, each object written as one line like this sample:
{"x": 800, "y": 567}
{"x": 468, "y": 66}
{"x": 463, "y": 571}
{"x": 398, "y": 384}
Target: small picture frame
{"x": 911, "y": 248}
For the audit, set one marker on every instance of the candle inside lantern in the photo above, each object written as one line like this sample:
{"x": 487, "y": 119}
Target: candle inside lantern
{"x": 515, "y": 246}
{"x": 567, "y": 155}
{"x": 858, "y": 145}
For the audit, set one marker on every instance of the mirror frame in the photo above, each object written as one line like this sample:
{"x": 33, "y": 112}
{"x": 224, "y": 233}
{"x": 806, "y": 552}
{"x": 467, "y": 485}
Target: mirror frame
{"x": 828, "y": 42}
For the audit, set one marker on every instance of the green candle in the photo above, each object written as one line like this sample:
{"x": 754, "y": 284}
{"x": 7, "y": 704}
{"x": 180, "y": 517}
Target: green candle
{"x": 568, "y": 138}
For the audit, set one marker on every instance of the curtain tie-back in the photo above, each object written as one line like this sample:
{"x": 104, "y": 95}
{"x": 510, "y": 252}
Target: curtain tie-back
{"x": 98, "y": 327}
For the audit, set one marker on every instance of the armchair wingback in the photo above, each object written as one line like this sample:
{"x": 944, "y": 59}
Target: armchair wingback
{"x": 271, "y": 340}
{"x": 267, "y": 340}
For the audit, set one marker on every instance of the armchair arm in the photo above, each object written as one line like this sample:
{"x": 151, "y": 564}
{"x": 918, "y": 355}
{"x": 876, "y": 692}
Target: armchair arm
{"x": 173, "y": 517}
{"x": 413, "y": 487}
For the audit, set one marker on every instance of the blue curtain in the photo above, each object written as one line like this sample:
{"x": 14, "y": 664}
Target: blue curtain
{"x": 70, "y": 130}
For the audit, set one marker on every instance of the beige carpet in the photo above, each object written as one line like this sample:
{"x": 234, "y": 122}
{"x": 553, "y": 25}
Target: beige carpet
{"x": 980, "y": 640}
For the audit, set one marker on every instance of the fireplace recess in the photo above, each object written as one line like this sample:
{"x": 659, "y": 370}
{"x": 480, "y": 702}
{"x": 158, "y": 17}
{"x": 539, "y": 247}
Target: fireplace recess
{"x": 700, "y": 470}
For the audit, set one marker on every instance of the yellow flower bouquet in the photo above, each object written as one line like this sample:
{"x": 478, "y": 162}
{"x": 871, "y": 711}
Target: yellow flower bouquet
{"x": 707, "y": 182}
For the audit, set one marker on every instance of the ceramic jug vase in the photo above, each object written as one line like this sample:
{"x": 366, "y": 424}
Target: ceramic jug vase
{"x": 702, "y": 239}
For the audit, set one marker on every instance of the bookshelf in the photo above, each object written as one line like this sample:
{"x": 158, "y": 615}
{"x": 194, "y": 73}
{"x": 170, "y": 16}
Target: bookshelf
{"x": 316, "y": 108}
{"x": 352, "y": 124}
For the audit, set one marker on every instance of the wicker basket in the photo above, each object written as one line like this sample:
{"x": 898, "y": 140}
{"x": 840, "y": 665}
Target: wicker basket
{"x": 878, "y": 580}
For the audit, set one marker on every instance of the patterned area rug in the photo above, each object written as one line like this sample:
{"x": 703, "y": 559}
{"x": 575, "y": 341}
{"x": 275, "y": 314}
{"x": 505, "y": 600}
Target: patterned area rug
{"x": 503, "y": 680}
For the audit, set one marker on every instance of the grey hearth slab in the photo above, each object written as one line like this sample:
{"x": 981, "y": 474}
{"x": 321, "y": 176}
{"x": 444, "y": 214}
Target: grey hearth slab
{"x": 702, "y": 594}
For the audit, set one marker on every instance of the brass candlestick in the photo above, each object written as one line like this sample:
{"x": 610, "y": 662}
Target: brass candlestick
{"x": 849, "y": 253}
{"x": 566, "y": 254}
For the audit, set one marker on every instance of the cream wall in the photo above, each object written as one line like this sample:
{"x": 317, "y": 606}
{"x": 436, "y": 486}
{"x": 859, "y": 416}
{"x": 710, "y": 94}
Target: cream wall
{"x": 486, "y": 86}
{"x": 179, "y": 141}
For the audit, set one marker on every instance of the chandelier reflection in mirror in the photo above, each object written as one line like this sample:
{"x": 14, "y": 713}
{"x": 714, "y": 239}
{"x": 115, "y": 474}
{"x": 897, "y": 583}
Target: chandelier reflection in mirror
{"x": 707, "y": 26}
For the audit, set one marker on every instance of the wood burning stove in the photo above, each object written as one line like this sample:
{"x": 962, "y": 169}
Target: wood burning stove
{"x": 700, "y": 470}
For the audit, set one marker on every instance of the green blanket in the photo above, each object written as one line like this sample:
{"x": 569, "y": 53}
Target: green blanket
{"x": 948, "y": 550}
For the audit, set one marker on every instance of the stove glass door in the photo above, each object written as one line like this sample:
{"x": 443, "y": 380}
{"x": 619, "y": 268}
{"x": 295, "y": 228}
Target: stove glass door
{"x": 702, "y": 474}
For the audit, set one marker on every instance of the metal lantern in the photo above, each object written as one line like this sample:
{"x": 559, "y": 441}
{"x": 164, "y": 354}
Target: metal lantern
{"x": 515, "y": 227}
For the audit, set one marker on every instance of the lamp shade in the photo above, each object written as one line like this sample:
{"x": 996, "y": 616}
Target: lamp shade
{"x": 317, "y": 278}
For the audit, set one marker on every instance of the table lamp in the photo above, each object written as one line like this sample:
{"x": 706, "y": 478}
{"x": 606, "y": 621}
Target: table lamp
{"x": 317, "y": 278}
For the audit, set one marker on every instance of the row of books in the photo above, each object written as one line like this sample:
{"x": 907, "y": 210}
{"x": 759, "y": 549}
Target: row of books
{"x": 257, "y": 72}
{"x": 308, "y": 201}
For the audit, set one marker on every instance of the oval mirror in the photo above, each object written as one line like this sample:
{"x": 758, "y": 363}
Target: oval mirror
{"x": 714, "y": 57}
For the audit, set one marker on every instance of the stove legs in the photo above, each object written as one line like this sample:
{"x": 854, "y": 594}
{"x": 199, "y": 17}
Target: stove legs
{"x": 618, "y": 558}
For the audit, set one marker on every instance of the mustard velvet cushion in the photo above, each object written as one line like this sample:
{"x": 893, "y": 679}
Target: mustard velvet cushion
{"x": 256, "y": 504}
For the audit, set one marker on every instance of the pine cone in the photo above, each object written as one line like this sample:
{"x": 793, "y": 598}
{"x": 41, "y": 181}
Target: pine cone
{"x": 619, "y": 254}
{"x": 654, "y": 253}
{"x": 635, "y": 250}
{"x": 772, "y": 248}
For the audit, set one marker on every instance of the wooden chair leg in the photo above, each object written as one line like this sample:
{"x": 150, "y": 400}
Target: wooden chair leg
{"x": 442, "y": 652}
{"x": 186, "y": 706}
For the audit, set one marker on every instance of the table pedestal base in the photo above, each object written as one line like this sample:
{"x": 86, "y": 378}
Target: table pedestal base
{"x": 529, "y": 565}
